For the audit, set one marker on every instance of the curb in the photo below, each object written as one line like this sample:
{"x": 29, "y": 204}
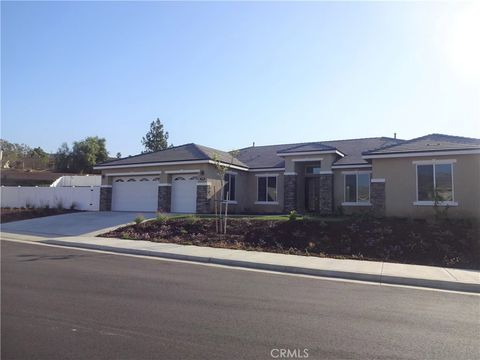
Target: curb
{"x": 381, "y": 279}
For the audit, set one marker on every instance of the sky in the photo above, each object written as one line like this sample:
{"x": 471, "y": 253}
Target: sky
{"x": 227, "y": 74}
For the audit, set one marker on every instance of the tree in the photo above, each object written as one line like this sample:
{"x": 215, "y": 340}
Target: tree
{"x": 39, "y": 158}
{"x": 63, "y": 158}
{"x": 85, "y": 154}
{"x": 119, "y": 155}
{"x": 156, "y": 138}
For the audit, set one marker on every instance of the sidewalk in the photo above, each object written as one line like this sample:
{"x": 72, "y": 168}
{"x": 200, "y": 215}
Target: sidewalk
{"x": 372, "y": 271}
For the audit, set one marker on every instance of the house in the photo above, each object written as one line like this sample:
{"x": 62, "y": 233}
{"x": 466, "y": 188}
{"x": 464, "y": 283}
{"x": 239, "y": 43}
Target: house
{"x": 386, "y": 176}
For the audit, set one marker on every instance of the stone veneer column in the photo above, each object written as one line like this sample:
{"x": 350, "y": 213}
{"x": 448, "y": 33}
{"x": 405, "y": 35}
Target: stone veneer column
{"x": 164, "y": 198}
{"x": 105, "y": 198}
{"x": 377, "y": 196}
{"x": 326, "y": 194}
{"x": 203, "y": 203}
{"x": 290, "y": 192}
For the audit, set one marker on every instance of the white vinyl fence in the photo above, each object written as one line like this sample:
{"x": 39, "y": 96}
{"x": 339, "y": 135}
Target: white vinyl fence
{"x": 81, "y": 198}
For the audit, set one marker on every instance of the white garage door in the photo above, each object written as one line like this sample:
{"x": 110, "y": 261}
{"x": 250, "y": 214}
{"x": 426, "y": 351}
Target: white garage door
{"x": 134, "y": 194}
{"x": 184, "y": 194}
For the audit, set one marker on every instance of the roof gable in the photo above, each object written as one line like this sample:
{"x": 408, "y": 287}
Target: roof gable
{"x": 428, "y": 143}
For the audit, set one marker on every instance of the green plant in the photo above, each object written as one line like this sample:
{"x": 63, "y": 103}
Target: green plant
{"x": 59, "y": 205}
{"x": 191, "y": 220}
{"x": 292, "y": 215}
{"x": 73, "y": 206}
{"x": 161, "y": 218}
{"x": 139, "y": 219}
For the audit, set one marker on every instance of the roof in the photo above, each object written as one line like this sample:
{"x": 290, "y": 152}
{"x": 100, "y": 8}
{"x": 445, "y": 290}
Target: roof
{"x": 267, "y": 156}
{"x": 307, "y": 147}
{"x": 187, "y": 152}
{"x": 427, "y": 143}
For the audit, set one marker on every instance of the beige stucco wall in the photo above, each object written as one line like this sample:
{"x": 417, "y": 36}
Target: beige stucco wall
{"x": 400, "y": 185}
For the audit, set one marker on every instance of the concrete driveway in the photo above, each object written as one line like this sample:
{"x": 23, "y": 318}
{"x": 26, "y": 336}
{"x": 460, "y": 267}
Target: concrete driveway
{"x": 76, "y": 224}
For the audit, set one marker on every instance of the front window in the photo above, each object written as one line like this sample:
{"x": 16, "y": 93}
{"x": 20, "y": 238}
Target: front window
{"x": 434, "y": 182}
{"x": 229, "y": 187}
{"x": 267, "y": 189}
{"x": 357, "y": 188}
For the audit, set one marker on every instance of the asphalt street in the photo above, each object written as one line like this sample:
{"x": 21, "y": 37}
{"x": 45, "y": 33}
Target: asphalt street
{"x": 60, "y": 303}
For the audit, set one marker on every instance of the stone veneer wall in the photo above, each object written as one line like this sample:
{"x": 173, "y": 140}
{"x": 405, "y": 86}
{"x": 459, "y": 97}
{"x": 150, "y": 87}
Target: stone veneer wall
{"x": 326, "y": 194}
{"x": 203, "y": 203}
{"x": 290, "y": 192}
{"x": 377, "y": 197}
{"x": 164, "y": 198}
{"x": 105, "y": 199}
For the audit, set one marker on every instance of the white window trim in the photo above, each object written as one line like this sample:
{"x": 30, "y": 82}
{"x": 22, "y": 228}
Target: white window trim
{"x": 345, "y": 203}
{"x": 432, "y": 203}
{"x": 434, "y": 162}
{"x": 266, "y": 189}
{"x": 355, "y": 203}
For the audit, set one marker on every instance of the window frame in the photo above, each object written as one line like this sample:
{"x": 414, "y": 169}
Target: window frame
{"x": 313, "y": 166}
{"x": 356, "y": 202}
{"x": 267, "y": 202}
{"x": 434, "y": 162}
{"x": 230, "y": 174}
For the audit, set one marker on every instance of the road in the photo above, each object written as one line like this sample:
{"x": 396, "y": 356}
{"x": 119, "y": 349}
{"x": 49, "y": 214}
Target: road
{"x": 60, "y": 303}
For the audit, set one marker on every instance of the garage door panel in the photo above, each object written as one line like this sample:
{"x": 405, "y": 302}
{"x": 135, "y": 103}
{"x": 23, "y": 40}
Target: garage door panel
{"x": 135, "y": 196}
{"x": 184, "y": 195}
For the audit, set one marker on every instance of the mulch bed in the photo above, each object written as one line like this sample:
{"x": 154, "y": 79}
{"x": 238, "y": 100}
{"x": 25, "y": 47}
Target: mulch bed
{"x": 447, "y": 242}
{"x": 15, "y": 214}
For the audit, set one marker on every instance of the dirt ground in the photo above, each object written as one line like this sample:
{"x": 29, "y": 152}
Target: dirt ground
{"x": 449, "y": 242}
{"x": 9, "y": 215}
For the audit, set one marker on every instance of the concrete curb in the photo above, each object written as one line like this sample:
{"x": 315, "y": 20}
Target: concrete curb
{"x": 378, "y": 278}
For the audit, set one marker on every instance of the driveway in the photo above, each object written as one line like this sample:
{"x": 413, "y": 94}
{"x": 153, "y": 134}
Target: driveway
{"x": 76, "y": 224}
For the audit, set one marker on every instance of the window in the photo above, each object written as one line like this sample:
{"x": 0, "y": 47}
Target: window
{"x": 267, "y": 189}
{"x": 144, "y": 179}
{"x": 229, "y": 187}
{"x": 434, "y": 182}
{"x": 131, "y": 180}
{"x": 357, "y": 188}
{"x": 179, "y": 178}
{"x": 119, "y": 180}
{"x": 312, "y": 169}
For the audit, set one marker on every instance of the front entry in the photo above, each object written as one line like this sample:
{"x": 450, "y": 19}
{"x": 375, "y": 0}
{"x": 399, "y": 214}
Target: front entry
{"x": 312, "y": 194}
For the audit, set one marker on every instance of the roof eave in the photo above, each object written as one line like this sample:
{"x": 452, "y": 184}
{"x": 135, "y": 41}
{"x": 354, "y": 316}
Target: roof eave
{"x": 420, "y": 153}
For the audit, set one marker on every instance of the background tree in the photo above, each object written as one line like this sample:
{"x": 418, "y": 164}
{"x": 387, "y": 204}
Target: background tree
{"x": 39, "y": 158}
{"x": 85, "y": 154}
{"x": 156, "y": 138}
{"x": 119, "y": 155}
{"x": 63, "y": 158}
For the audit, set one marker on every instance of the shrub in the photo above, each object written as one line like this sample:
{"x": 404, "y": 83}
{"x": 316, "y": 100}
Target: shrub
{"x": 59, "y": 205}
{"x": 161, "y": 218}
{"x": 292, "y": 215}
{"x": 73, "y": 206}
{"x": 139, "y": 219}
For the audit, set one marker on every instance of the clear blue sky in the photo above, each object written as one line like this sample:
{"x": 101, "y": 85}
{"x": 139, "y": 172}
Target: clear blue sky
{"x": 227, "y": 74}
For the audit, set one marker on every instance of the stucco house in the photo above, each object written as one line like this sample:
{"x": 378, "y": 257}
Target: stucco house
{"x": 387, "y": 176}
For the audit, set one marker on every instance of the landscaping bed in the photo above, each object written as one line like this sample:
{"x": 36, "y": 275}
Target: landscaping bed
{"x": 447, "y": 242}
{"x": 15, "y": 214}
